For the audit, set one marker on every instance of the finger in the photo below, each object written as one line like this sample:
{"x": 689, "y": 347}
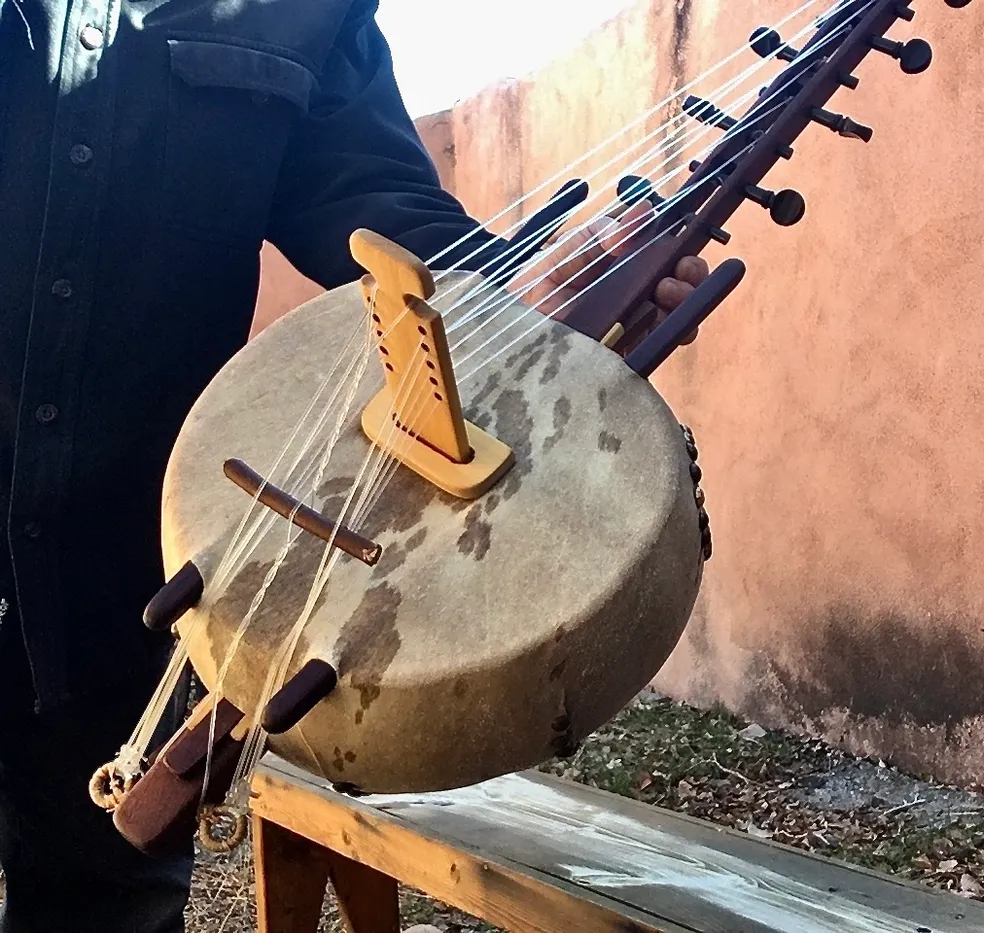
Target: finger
{"x": 578, "y": 251}
{"x": 617, "y": 240}
{"x": 671, "y": 293}
{"x": 662, "y": 315}
{"x": 692, "y": 269}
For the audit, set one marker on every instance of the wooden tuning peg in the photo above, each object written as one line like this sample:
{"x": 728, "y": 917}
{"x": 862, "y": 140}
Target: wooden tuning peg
{"x": 537, "y": 230}
{"x": 634, "y": 188}
{"x": 914, "y": 56}
{"x": 296, "y": 698}
{"x": 841, "y": 124}
{"x": 766, "y": 41}
{"x": 180, "y": 594}
{"x": 705, "y": 112}
{"x": 786, "y": 207}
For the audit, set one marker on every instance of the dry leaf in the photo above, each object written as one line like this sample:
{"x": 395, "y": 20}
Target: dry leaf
{"x": 753, "y": 733}
{"x": 947, "y": 865}
{"x": 970, "y": 885}
{"x": 754, "y": 830}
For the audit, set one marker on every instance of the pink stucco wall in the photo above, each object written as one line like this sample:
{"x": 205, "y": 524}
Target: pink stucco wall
{"x": 837, "y": 399}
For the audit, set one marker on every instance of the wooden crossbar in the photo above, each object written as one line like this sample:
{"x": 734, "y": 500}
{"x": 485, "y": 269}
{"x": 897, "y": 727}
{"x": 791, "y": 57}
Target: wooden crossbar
{"x": 529, "y": 852}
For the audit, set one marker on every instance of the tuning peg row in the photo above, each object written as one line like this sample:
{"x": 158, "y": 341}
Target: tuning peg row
{"x": 914, "y": 56}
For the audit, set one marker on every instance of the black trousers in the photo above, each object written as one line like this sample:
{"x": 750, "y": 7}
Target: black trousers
{"x": 67, "y": 868}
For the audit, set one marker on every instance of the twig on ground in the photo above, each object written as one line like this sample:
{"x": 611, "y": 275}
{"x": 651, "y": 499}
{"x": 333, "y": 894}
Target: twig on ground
{"x": 905, "y": 806}
{"x": 737, "y": 774}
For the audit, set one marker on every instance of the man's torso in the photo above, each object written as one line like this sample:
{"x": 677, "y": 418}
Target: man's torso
{"x": 142, "y": 151}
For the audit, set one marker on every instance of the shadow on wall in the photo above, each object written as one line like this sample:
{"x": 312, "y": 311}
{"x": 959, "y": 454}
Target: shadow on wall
{"x": 837, "y": 398}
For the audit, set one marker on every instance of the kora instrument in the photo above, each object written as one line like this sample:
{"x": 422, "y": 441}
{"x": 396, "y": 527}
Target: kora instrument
{"x": 492, "y": 632}
{"x": 533, "y": 558}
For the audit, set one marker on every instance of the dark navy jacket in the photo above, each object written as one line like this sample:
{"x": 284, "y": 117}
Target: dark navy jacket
{"x": 147, "y": 148}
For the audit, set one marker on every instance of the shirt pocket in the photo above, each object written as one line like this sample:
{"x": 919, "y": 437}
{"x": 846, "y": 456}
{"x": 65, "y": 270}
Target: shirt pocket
{"x": 231, "y": 109}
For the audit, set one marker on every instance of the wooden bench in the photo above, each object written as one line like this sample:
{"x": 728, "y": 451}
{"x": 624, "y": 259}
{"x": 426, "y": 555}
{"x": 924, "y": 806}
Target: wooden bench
{"x": 533, "y": 853}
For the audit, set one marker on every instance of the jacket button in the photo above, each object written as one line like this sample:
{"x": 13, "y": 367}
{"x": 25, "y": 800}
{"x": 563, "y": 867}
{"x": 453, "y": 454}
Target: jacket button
{"x": 80, "y": 154}
{"x": 33, "y": 529}
{"x": 91, "y": 37}
{"x": 46, "y": 413}
{"x": 61, "y": 288}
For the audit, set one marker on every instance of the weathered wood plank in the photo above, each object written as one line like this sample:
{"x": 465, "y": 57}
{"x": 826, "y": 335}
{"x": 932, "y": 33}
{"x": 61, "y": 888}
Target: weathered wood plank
{"x": 507, "y": 894}
{"x": 670, "y": 868}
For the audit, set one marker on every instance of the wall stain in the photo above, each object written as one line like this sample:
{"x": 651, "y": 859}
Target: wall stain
{"x": 682, "y": 20}
{"x": 885, "y": 666}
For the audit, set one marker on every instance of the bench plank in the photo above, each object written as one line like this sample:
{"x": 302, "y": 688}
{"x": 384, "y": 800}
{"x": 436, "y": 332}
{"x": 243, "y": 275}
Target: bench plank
{"x": 662, "y": 870}
{"x": 504, "y": 893}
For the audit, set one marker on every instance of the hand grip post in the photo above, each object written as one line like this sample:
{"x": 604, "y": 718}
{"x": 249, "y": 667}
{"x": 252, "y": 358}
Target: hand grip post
{"x": 525, "y": 244}
{"x": 685, "y": 319}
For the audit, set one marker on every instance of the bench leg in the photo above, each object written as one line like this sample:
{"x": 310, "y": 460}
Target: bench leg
{"x": 291, "y": 878}
{"x": 368, "y": 900}
{"x": 292, "y": 874}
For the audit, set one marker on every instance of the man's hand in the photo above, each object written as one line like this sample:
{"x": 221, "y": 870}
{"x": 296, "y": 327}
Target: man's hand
{"x": 584, "y": 255}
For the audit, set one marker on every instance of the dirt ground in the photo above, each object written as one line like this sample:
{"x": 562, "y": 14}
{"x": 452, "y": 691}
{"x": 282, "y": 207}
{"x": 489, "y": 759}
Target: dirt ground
{"x": 717, "y": 767}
